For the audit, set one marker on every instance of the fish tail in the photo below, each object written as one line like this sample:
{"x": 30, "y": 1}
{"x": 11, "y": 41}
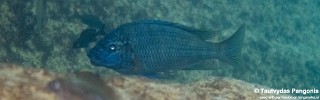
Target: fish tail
{"x": 230, "y": 49}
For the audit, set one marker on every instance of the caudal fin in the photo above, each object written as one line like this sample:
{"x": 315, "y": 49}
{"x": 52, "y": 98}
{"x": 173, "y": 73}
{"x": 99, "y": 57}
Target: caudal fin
{"x": 231, "y": 48}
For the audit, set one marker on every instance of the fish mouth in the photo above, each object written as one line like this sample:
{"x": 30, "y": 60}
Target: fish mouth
{"x": 94, "y": 59}
{"x": 100, "y": 63}
{"x": 95, "y": 63}
{"x": 99, "y": 58}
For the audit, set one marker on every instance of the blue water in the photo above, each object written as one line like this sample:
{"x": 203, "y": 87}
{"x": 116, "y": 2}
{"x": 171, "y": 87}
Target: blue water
{"x": 281, "y": 47}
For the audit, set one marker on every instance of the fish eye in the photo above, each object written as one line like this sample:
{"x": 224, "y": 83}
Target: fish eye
{"x": 112, "y": 47}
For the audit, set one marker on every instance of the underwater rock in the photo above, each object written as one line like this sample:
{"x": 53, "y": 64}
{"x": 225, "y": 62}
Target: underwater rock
{"x": 23, "y": 83}
{"x": 214, "y": 88}
{"x": 82, "y": 86}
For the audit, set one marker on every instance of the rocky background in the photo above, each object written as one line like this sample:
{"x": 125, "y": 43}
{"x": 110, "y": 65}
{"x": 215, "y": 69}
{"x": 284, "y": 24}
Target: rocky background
{"x": 17, "y": 83}
{"x": 280, "y": 48}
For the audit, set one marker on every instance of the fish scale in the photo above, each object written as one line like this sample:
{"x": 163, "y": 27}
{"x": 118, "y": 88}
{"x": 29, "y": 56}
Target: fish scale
{"x": 151, "y": 46}
{"x": 173, "y": 48}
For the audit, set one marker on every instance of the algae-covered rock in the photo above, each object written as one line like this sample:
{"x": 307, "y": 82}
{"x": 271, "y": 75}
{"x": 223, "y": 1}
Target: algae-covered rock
{"x": 17, "y": 83}
{"x": 21, "y": 83}
{"x": 214, "y": 88}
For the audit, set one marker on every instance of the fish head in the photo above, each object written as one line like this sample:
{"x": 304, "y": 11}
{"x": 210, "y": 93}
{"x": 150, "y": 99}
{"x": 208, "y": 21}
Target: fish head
{"x": 111, "y": 52}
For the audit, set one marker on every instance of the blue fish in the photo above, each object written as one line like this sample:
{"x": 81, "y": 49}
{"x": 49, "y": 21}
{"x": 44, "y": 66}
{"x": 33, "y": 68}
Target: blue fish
{"x": 90, "y": 34}
{"x": 151, "y": 46}
{"x": 87, "y": 36}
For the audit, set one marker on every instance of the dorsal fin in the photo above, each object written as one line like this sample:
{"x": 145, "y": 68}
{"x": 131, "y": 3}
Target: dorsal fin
{"x": 203, "y": 34}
